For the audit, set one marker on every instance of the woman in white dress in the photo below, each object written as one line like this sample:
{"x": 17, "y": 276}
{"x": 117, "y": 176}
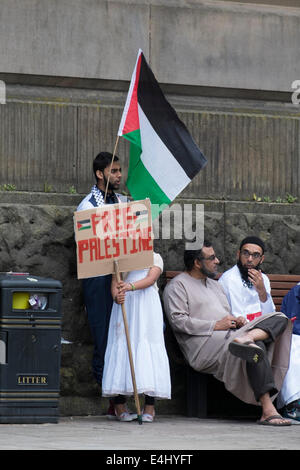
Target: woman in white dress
{"x": 145, "y": 324}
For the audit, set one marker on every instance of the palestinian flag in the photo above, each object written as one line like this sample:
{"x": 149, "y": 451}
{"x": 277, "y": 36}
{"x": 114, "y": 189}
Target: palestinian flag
{"x": 163, "y": 156}
{"x": 83, "y": 224}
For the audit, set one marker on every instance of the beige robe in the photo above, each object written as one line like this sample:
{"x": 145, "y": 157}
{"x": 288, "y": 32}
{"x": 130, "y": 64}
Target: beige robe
{"x": 193, "y": 306}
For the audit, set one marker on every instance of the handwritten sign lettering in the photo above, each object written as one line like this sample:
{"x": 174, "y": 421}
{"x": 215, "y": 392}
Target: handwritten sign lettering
{"x": 121, "y": 232}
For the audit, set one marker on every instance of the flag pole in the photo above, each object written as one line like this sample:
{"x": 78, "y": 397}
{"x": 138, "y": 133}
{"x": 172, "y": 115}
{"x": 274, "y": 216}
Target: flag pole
{"x": 112, "y": 161}
{"x": 136, "y": 397}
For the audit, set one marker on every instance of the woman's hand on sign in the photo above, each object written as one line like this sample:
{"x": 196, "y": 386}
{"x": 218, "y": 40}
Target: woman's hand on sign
{"x": 120, "y": 298}
{"x": 123, "y": 287}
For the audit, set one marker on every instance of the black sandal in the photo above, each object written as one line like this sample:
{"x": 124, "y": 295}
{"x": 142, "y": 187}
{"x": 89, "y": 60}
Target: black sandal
{"x": 268, "y": 421}
{"x": 248, "y": 351}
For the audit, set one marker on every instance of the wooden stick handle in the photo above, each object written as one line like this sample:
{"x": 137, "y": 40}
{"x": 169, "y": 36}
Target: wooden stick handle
{"x": 112, "y": 161}
{"x": 136, "y": 398}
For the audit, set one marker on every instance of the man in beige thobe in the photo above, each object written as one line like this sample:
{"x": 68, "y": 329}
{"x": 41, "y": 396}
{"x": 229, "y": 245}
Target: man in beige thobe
{"x": 231, "y": 349}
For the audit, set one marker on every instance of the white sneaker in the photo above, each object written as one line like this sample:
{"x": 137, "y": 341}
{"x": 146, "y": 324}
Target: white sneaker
{"x": 125, "y": 416}
{"x": 147, "y": 418}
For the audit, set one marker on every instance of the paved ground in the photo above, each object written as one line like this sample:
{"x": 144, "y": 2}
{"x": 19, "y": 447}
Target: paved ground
{"x": 166, "y": 433}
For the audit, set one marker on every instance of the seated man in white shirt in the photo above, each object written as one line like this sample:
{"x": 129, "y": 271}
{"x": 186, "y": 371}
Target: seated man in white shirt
{"x": 249, "y": 294}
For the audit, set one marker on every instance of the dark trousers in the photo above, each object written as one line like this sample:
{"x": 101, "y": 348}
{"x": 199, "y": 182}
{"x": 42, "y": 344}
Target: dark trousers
{"x": 260, "y": 374}
{"x": 98, "y": 302}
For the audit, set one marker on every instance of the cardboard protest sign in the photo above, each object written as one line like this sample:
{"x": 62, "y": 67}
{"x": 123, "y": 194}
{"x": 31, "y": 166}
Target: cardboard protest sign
{"x": 113, "y": 232}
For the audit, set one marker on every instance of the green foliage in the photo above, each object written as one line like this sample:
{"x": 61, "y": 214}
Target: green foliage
{"x": 289, "y": 199}
{"x": 8, "y": 187}
{"x": 256, "y": 198}
{"x": 72, "y": 190}
{"x": 47, "y": 187}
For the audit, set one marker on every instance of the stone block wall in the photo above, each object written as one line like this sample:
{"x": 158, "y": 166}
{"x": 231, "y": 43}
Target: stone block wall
{"x": 36, "y": 236}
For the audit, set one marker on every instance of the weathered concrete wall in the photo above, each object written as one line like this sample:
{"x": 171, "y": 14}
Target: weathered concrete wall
{"x": 36, "y": 236}
{"x": 198, "y": 42}
{"x": 50, "y": 135}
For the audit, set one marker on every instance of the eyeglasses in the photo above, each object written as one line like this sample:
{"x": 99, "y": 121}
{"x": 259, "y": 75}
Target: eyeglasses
{"x": 209, "y": 258}
{"x": 254, "y": 255}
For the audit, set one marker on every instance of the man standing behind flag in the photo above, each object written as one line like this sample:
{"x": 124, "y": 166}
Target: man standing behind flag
{"x": 97, "y": 290}
{"x": 163, "y": 156}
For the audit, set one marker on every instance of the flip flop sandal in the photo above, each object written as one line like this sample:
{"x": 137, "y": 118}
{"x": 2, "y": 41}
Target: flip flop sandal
{"x": 252, "y": 354}
{"x": 267, "y": 421}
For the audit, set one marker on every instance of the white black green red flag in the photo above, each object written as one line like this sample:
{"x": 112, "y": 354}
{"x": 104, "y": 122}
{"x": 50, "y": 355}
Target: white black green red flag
{"x": 163, "y": 156}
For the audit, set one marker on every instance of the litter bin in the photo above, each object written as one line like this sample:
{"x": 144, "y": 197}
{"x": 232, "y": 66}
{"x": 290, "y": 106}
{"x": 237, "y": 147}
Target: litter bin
{"x": 30, "y": 348}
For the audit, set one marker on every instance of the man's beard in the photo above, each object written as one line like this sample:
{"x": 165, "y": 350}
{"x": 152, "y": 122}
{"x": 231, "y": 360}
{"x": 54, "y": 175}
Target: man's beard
{"x": 244, "y": 271}
{"x": 207, "y": 273}
{"x": 110, "y": 186}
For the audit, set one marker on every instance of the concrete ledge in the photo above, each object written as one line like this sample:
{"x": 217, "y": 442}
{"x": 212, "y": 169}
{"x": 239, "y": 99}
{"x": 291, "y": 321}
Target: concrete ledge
{"x": 40, "y": 199}
{"x": 64, "y": 199}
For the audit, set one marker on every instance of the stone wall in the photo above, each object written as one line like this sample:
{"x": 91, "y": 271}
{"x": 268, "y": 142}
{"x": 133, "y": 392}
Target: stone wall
{"x": 36, "y": 236}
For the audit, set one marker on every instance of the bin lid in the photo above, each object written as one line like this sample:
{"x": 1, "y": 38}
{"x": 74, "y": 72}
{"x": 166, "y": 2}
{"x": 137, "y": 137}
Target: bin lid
{"x": 26, "y": 280}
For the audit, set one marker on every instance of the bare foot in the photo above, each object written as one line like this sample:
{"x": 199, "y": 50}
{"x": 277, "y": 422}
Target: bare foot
{"x": 119, "y": 409}
{"x": 245, "y": 339}
{"x": 149, "y": 409}
{"x": 270, "y": 415}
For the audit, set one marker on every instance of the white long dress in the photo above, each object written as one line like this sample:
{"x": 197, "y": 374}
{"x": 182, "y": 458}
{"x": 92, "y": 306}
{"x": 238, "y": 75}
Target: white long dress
{"x": 145, "y": 324}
